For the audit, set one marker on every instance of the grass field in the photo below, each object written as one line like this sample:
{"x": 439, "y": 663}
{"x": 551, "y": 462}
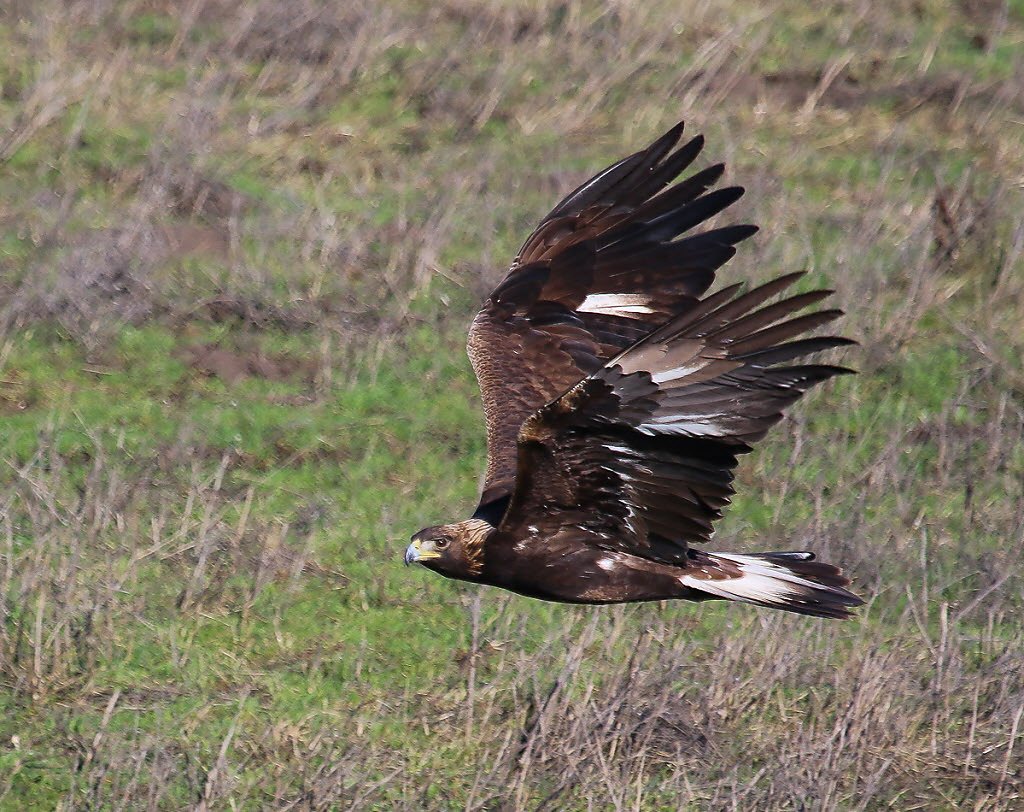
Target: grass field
{"x": 240, "y": 243}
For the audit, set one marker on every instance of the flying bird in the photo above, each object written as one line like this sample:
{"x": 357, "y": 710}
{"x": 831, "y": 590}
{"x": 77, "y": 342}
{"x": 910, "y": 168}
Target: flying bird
{"x": 618, "y": 396}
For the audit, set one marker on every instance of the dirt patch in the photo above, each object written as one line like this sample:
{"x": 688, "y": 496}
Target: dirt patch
{"x": 105, "y": 277}
{"x": 190, "y": 194}
{"x": 193, "y": 239}
{"x": 849, "y": 91}
{"x": 233, "y": 366}
{"x": 985, "y": 13}
{"x": 185, "y": 191}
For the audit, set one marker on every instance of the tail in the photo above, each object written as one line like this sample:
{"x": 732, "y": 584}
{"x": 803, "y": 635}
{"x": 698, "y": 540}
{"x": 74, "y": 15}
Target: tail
{"x": 794, "y": 582}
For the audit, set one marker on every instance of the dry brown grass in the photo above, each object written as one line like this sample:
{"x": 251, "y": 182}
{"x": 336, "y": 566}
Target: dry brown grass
{"x": 239, "y": 241}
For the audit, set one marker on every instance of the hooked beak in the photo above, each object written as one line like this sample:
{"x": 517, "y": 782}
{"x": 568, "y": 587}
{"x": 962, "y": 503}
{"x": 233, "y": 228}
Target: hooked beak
{"x": 414, "y": 553}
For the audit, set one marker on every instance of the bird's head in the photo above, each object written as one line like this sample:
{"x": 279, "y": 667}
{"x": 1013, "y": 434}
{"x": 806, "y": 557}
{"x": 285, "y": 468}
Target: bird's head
{"x": 455, "y": 550}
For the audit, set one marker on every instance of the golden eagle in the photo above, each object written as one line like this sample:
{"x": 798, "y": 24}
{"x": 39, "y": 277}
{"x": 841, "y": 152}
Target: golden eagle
{"x": 618, "y": 396}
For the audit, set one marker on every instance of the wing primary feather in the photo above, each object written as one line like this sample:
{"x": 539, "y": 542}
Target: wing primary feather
{"x": 752, "y": 322}
{"x": 781, "y": 353}
{"x": 644, "y": 180}
{"x": 670, "y": 169}
{"x": 524, "y": 283}
{"x": 686, "y": 191}
{"x": 781, "y": 332}
{"x": 616, "y": 174}
{"x": 710, "y": 316}
{"x": 671, "y": 223}
{"x": 588, "y": 192}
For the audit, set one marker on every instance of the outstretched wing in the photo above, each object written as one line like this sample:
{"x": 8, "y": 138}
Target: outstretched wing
{"x": 602, "y": 270}
{"x": 638, "y": 457}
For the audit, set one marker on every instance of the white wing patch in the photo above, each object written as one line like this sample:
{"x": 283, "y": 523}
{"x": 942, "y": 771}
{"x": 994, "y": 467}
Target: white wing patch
{"x": 674, "y": 374}
{"x": 617, "y": 304}
{"x": 705, "y": 426}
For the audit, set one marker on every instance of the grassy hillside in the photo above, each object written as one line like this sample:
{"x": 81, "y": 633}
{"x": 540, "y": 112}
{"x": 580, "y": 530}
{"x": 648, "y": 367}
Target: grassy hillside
{"x": 240, "y": 243}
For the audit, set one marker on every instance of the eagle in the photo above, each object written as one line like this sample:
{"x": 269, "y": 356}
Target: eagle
{"x": 618, "y": 398}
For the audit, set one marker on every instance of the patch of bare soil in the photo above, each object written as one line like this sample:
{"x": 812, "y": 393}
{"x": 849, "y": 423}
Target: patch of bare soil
{"x": 105, "y": 276}
{"x": 847, "y": 91}
{"x": 183, "y": 240}
{"x": 185, "y": 191}
{"x": 233, "y": 366}
{"x": 983, "y": 12}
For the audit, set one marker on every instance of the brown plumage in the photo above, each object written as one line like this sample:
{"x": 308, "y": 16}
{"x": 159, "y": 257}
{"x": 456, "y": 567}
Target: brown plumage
{"x": 617, "y": 400}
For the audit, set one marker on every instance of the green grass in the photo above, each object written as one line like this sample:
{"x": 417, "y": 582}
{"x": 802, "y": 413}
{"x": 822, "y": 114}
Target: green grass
{"x": 201, "y": 571}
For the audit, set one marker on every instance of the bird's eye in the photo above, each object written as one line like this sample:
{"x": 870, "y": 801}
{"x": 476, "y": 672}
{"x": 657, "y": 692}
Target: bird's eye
{"x": 441, "y": 543}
